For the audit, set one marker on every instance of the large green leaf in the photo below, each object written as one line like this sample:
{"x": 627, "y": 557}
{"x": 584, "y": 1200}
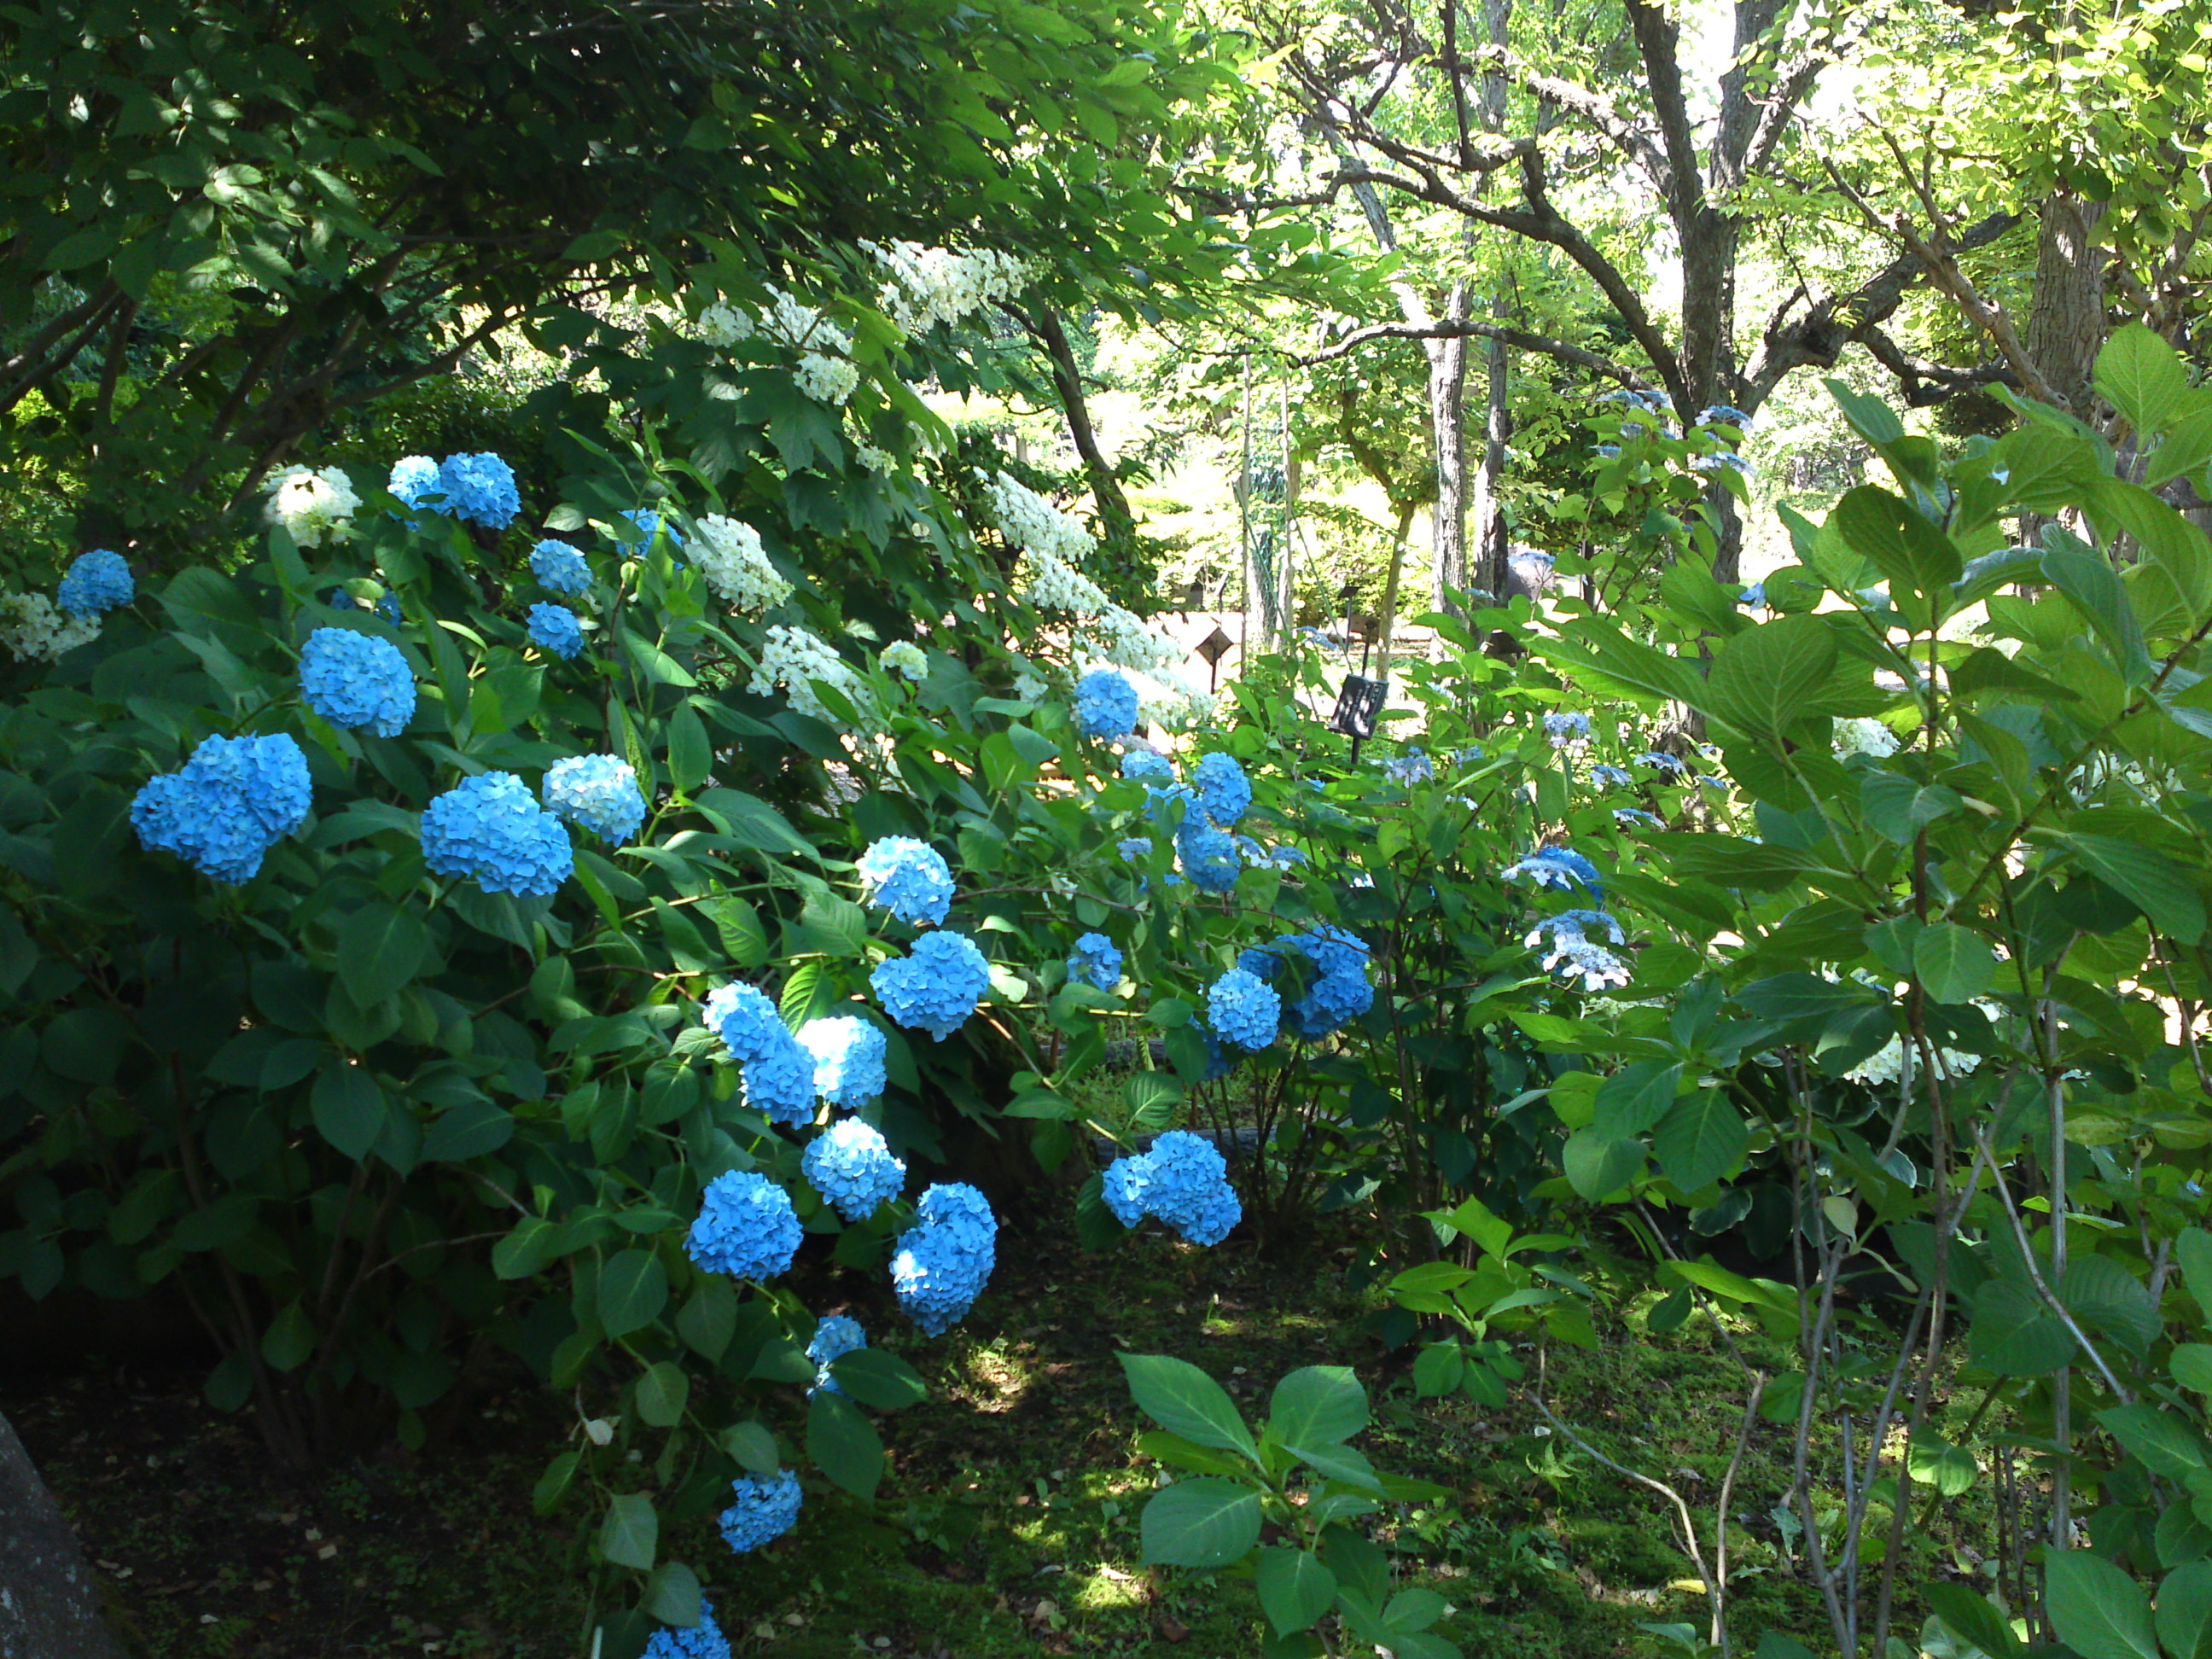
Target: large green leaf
{"x": 2100, "y": 1612}
{"x": 1767, "y": 678}
{"x": 1913, "y": 554}
{"x": 2143, "y": 377}
{"x": 2160, "y": 1440}
{"x": 348, "y": 1108}
{"x": 672, "y": 1597}
{"x": 1183, "y": 1399}
{"x": 1953, "y": 963}
{"x": 1700, "y": 1138}
{"x": 381, "y": 948}
{"x": 1973, "y": 1618}
{"x": 1317, "y": 1406}
{"x": 1295, "y": 1589}
{"x": 633, "y": 1288}
{"x": 1597, "y": 1166}
{"x": 875, "y": 1377}
{"x": 2192, "y": 1248}
{"x": 1203, "y": 1522}
{"x": 2184, "y": 1612}
{"x": 2089, "y": 581}
{"x": 2012, "y": 1332}
{"x": 2148, "y": 877}
{"x": 630, "y": 1535}
{"x": 1633, "y": 1099}
{"x": 843, "y": 1442}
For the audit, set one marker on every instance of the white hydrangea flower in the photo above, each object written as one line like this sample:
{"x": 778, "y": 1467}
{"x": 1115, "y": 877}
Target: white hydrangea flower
{"x": 1128, "y": 642}
{"x": 1052, "y": 584}
{"x": 32, "y": 626}
{"x": 827, "y": 380}
{"x": 794, "y": 659}
{"x": 729, "y": 555}
{"x": 927, "y": 286}
{"x": 722, "y": 325}
{"x": 1860, "y": 735}
{"x": 1170, "y": 700}
{"x": 1029, "y": 685}
{"x": 310, "y": 504}
{"x": 1033, "y": 524}
{"x": 875, "y": 460}
{"x": 905, "y": 657}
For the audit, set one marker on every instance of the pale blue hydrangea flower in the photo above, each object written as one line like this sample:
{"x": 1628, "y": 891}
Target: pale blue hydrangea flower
{"x": 357, "y": 681}
{"x": 941, "y": 1266}
{"x": 852, "y": 1166}
{"x": 414, "y": 478}
{"x": 223, "y": 809}
{"x": 1095, "y": 961}
{"x": 1338, "y": 989}
{"x": 96, "y": 582}
{"x": 1224, "y": 792}
{"x": 1662, "y": 762}
{"x": 479, "y": 489}
{"x": 1141, "y": 763}
{"x": 554, "y": 628}
{"x": 746, "y": 1227}
{"x": 491, "y": 829}
{"x": 1607, "y": 452}
{"x": 1575, "y": 925}
{"x": 1105, "y": 705}
{"x": 765, "y": 1511}
{"x": 1566, "y": 727}
{"x": 850, "y": 1056}
{"x": 1122, "y": 1188}
{"x": 907, "y": 877}
{"x": 1724, "y": 460}
{"x": 778, "y": 1081}
{"x": 1754, "y": 598}
{"x": 1597, "y": 967}
{"x": 1135, "y": 848}
{"x": 1628, "y": 815}
{"x": 703, "y": 1640}
{"x": 1244, "y": 1009}
{"x": 1722, "y": 412}
{"x": 1208, "y": 856}
{"x": 1411, "y": 766}
{"x": 936, "y": 986}
{"x": 1183, "y": 1180}
{"x": 1556, "y": 867}
{"x": 835, "y": 1337}
{"x": 644, "y": 525}
{"x": 561, "y": 567}
{"x": 745, "y": 1018}
{"x": 1610, "y": 777}
{"x": 598, "y": 794}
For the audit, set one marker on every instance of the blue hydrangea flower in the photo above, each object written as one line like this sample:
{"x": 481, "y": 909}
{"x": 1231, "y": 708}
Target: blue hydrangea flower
{"x": 779, "y": 1080}
{"x": 1135, "y": 848}
{"x": 1661, "y": 761}
{"x": 936, "y": 986}
{"x": 765, "y": 1511}
{"x": 1208, "y": 856}
{"x": 554, "y": 628}
{"x": 1722, "y": 412}
{"x": 1575, "y": 925}
{"x": 1141, "y": 763}
{"x": 1411, "y": 766}
{"x": 746, "y": 1227}
{"x": 387, "y": 606}
{"x": 1219, "y": 1062}
{"x": 414, "y": 478}
{"x": 703, "y": 1640}
{"x": 560, "y": 567}
{"x": 1183, "y": 1180}
{"x": 479, "y": 489}
{"x": 907, "y": 877}
{"x": 96, "y": 582}
{"x": 941, "y": 1266}
{"x": 232, "y": 801}
{"x": 1625, "y": 816}
{"x": 491, "y": 829}
{"x": 1224, "y": 792}
{"x": 1095, "y": 961}
{"x": 852, "y": 1166}
{"x": 1260, "y": 962}
{"x": 849, "y": 1060}
{"x": 1754, "y": 598}
{"x": 1565, "y": 727}
{"x": 644, "y": 527}
{"x": 744, "y": 1017}
{"x": 1611, "y": 777}
{"x": 1556, "y": 867}
{"x": 1339, "y": 989}
{"x": 357, "y": 680}
{"x": 1122, "y": 1188}
{"x": 1244, "y": 1009}
{"x": 835, "y": 1337}
{"x": 598, "y": 794}
{"x": 1597, "y": 967}
{"x": 1105, "y": 705}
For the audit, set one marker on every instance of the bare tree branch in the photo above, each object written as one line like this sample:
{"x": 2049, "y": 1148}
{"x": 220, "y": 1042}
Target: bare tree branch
{"x": 1465, "y": 328}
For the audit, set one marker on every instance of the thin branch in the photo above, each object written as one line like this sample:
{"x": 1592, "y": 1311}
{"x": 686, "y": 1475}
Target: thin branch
{"x": 1459, "y": 329}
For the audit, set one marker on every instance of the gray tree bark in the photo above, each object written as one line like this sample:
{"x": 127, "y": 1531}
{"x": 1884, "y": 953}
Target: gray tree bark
{"x": 2066, "y": 318}
{"x": 49, "y": 1599}
{"x": 1447, "y": 418}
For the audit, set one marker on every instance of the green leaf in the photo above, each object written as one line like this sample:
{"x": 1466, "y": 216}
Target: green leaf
{"x": 348, "y": 1108}
{"x": 709, "y": 1319}
{"x": 662, "y": 1393}
{"x": 2165, "y": 1444}
{"x": 1700, "y": 1138}
{"x": 2184, "y": 1612}
{"x": 2099, "y": 1611}
{"x": 751, "y": 822}
{"x": 691, "y": 756}
{"x": 553, "y": 1485}
{"x": 1598, "y": 1166}
{"x": 2191, "y": 1365}
{"x": 2012, "y": 1332}
{"x": 630, "y": 1535}
{"x": 877, "y": 1377}
{"x": 2147, "y": 878}
{"x": 2186, "y": 446}
{"x": 1183, "y": 1399}
{"x": 1914, "y": 555}
{"x": 1897, "y": 809}
{"x": 1971, "y": 1618}
{"x": 2089, "y": 581}
{"x": 381, "y": 948}
{"x": 752, "y": 1446}
{"x": 2141, "y": 375}
{"x": 1953, "y": 965}
{"x": 1631, "y": 1101}
{"x": 2192, "y": 1248}
{"x": 1767, "y": 678}
{"x": 633, "y": 1290}
{"x": 471, "y": 1129}
{"x": 1200, "y": 1522}
{"x": 843, "y": 1443}
{"x": 289, "y": 1342}
{"x": 1295, "y": 1589}
{"x": 1317, "y": 1404}
{"x": 672, "y": 1597}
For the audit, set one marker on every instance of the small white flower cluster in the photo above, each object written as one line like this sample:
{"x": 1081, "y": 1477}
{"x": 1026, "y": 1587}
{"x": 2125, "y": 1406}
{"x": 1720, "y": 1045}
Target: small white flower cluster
{"x": 795, "y": 660}
{"x": 1034, "y": 523}
{"x": 32, "y": 625}
{"x": 927, "y": 286}
{"x": 1126, "y": 642}
{"x": 1170, "y": 700}
{"x": 827, "y": 380}
{"x": 875, "y": 460}
{"x": 1860, "y": 735}
{"x": 1051, "y": 583}
{"x": 783, "y": 320}
{"x": 1893, "y": 1063}
{"x": 310, "y": 505}
{"x": 729, "y": 555}
{"x": 905, "y": 657}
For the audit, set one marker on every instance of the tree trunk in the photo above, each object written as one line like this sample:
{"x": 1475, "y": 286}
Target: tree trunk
{"x": 49, "y": 1599}
{"x": 1114, "y": 516}
{"x": 1487, "y": 514}
{"x": 2066, "y": 319}
{"x": 1447, "y": 420}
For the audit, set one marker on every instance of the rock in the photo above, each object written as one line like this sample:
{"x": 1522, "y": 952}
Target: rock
{"x": 49, "y": 1599}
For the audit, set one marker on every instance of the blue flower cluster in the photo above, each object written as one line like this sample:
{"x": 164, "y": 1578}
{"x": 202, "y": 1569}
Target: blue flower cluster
{"x": 560, "y": 567}
{"x": 491, "y": 829}
{"x": 939, "y": 1267}
{"x": 1224, "y": 792}
{"x": 1141, "y": 763}
{"x": 1244, "y": 1009}
{"x": 1338, "y": 990}
{"x": 597, "y": 793}
{"x": 1208, "y": 856}
{"x": 554, "y": 628}
{"x": 1626, "y": 816}
{"x": 95, "y": 583}
{"x": 1565, "y": 727}
{"x": 1556, "y": 867}
{"x": 849, "y": 1060}
{"x": 1722, "y": 412}
{"x": 1575, "y": 925}
{"x": 1135, "y": 848}
{"x": 746, "y": 1227}
{"x": 228, "y": 804}
{"x": 414, "y": 477}
{"x": 1105, "y": 705}
{"x": 644, "y": 527}
{"x": 834, "y": 1338}
{"x": 357, "y": 681}
{"x": 1660, "y": 760}
{"x": 1095, "y": 961}
{"x": 907, "y": 877}
{"x": 1754, "y": 598}
{"x": 852, "y": 1166}
{"x": 704, "y": 1640}
{"x": 479, "y": 489}
{"x": 1610, "y": 777}
{"x": 1184, "y": 1180}
{"x": 934, "y": 988}
{"x": 777, "y": 1073}
{"x": 1411, "y": 766}
{"x": 765, "y": 1510}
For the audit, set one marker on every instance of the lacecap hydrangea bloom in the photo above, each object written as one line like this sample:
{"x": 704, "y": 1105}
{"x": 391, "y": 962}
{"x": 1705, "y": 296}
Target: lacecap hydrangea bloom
{"x": 1411, "y": 766}
{"x": 598, "y": 794}
{"x": 703, "y": 1640}
{"x": 729, "y": 555}
{"x": 1661, "y": 761}
{"x": 1224, "y": 792}
{"x": 905, "y": 658}
{"x": 936, "y": 986}
{"x": 940, "y": 1266}
{"x": 232, "y": 801}
{"x": 907, "y": 877}
{"x": 746, "y": 1227}
{"x": 1244, "y": 1009}
{"x": 1575, "y": 957}
{"x": 1576, "y": 925}
{"x": 479, "y": 489}
{"x": 1612, "y": 777}
{"x": 1140, "y": 763}
{"x": 1095, "y": 961}
{"x": 1208, "y": 855}
{"x": 491, "y": 829}
{"x": 852, "y": 1165}
{"x": 554, "y": 628}
{"x": 766, "y": 1509}
{"x": 1555, "y": 866}
{"x": 311, "y": 505}
{"x": 1105, "y": 704}
{"x": 835, "y": 1337}
{"x": 1183, "y": 1180}
{"x": 96, "y": 582}
{"x": 849, "y": 1057}
{"x": 357, "y": 681}
{"x": 561, "y": 567}
{"x": 1566, "y": 728}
